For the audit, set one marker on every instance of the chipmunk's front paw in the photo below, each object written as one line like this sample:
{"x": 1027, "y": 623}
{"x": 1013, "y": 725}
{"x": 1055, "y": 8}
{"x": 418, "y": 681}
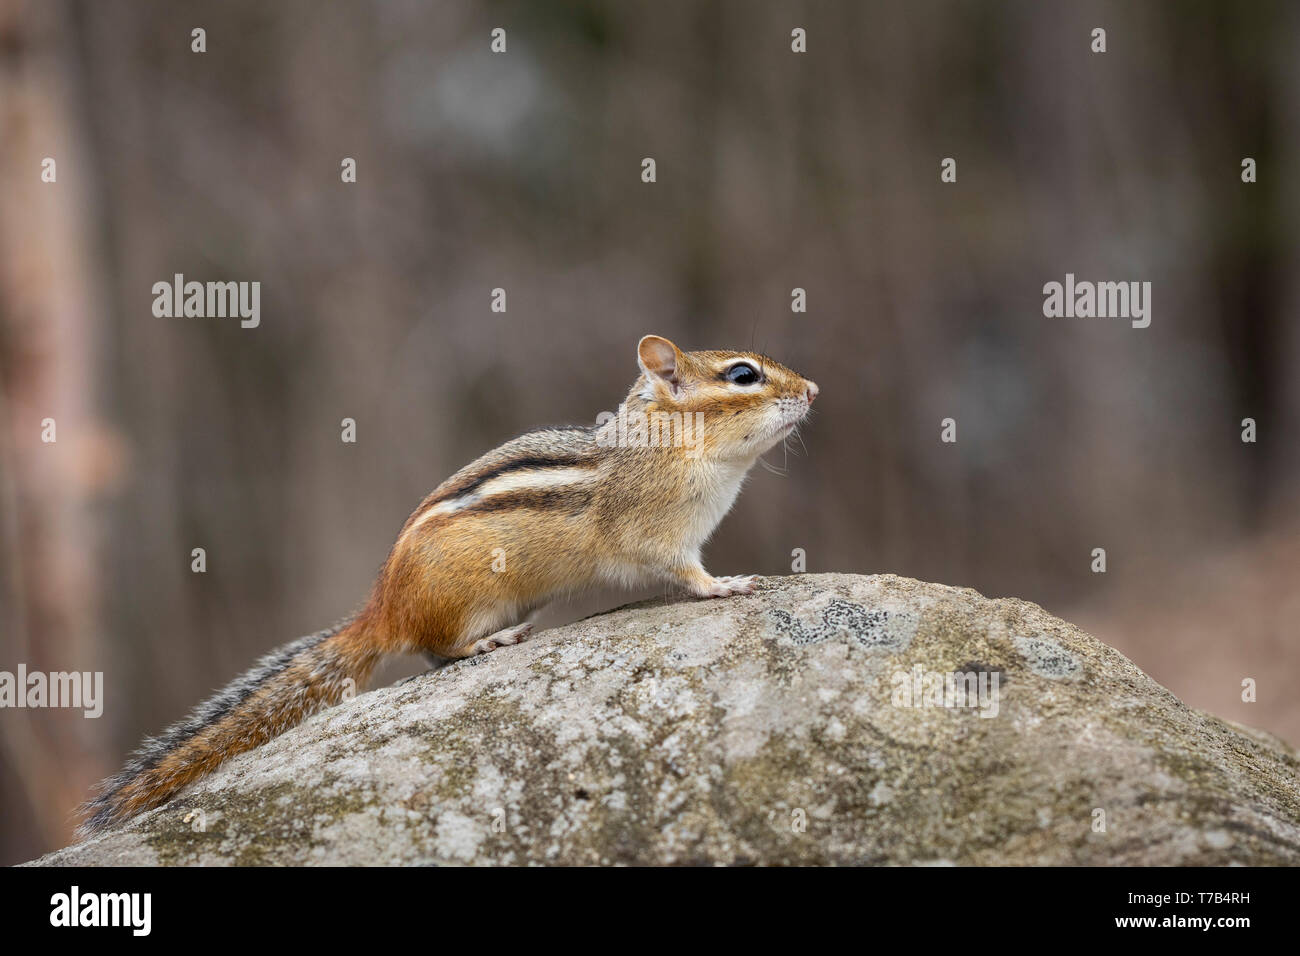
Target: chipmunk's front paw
{"x": 504, "y": 638}
{"x": 737, "y": 584}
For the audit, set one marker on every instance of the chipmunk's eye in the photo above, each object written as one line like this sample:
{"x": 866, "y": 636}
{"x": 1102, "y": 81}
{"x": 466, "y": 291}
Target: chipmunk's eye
{"x": 742, "y": 373}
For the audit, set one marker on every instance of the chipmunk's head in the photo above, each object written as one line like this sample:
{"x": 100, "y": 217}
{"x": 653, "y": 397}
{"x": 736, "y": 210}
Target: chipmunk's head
{"x": 746, "y": 402}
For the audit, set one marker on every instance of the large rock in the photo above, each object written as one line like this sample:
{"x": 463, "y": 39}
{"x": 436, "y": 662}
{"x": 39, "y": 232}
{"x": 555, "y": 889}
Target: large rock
{"x": 762, "y": 729}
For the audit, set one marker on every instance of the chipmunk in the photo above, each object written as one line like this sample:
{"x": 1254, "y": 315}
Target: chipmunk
{"x": 561, "y": 508}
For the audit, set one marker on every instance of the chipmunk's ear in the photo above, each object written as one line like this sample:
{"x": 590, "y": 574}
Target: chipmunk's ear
{"x": 660, "y": 359}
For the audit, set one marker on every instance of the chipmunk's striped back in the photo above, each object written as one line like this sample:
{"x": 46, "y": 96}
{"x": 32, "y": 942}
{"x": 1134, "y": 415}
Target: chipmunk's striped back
{"x": 535, "y": 469}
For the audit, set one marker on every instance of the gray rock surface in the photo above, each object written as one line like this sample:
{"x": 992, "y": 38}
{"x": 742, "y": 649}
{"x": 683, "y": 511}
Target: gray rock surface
{"x": 764, "y": 729}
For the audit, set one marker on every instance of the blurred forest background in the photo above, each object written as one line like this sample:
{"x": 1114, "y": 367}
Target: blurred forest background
{"x": 776, "y": 170}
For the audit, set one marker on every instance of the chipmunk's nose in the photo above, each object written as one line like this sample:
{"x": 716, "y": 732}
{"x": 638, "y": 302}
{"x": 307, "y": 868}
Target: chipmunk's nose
{"x": 812, "y": 392}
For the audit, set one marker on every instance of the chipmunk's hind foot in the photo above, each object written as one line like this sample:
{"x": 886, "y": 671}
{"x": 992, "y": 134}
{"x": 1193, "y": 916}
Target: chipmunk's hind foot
{"x": 502, "y": 638}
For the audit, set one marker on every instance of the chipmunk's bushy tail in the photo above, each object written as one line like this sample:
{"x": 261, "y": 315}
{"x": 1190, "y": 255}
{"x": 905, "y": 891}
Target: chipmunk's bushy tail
{"x": 281, "y": 690}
